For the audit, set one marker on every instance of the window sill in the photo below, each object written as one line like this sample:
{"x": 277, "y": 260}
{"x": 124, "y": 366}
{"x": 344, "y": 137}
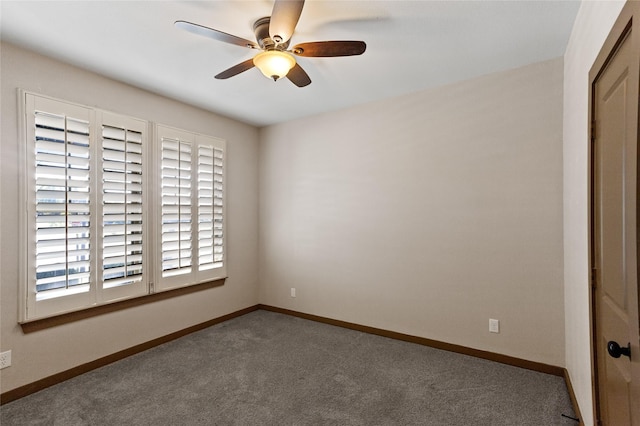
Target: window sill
{"x": 54, "y": 321}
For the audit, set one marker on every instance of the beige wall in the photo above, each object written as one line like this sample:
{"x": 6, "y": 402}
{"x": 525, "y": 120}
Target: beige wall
{"x": 43, "y": 353}
{"x": 593, "y": 23}
{"x": 425, "y": 214}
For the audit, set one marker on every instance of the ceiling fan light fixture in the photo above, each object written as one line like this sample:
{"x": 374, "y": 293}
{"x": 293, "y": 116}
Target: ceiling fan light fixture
{"x": 274, "y": 64}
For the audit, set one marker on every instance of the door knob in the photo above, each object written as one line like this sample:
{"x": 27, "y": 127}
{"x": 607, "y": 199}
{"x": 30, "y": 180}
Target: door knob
{"x": 616, "y": 351}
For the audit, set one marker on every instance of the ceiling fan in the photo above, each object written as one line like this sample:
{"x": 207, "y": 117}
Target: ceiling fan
{"x": 273, "y": 35}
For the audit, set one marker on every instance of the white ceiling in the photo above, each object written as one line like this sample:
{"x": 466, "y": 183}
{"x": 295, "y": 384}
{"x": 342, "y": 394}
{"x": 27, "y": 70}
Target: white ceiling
{"x": 411, "y": 45}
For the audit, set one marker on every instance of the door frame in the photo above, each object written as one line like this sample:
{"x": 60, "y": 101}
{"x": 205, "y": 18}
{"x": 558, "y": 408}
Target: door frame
{"x": 623, "y": 25}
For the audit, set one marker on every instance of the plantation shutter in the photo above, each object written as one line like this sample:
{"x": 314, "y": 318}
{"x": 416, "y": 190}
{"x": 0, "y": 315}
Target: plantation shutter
{"x": 191, "y": 218}
{"x": 210, "y": 207}
{"x": 176, "y": 207}
{"x": 107, "y": 216}
{"x": 63, "y": 216}
{"x": 123, "y": 253}
{"x": 60, "y": 216}
{"x": 84, "y": 183}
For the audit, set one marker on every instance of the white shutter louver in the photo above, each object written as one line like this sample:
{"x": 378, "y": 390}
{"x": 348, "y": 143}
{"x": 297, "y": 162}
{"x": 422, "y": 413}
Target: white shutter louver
{"x": 176, "y": 208}
{"x": 122, "y": 209}
{"x": 62, "y": 209}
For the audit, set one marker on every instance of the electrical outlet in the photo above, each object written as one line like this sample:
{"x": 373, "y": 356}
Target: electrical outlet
{"x": 293, "y": 292}
{"x": 494, "y": 326}
{"x": 5, "y": 359}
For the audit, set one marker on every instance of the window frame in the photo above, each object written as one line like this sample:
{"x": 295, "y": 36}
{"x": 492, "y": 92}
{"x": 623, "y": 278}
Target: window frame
{"x": 164, "y": 283}
{"x": 32, "y": 310}
{"x": 113, "y": 294}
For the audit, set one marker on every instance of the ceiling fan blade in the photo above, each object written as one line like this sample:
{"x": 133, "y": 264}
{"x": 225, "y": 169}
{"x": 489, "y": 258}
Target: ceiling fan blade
{"x": 215, "y": 34}
{"x": 330, "y": 48}
{"x": 284, "y": 19}
{"x": 298, "y": 76}
{"x": 236, "y": 69}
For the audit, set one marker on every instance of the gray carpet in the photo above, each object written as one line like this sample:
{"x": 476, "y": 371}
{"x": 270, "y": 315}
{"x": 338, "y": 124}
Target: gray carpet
{"x": 266, "y": 368}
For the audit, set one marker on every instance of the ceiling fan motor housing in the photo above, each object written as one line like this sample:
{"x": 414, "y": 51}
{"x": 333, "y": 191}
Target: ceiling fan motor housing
{"x": 261, "y": 31}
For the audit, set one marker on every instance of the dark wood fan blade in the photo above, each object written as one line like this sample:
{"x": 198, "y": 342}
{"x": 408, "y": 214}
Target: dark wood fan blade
{"x": 298, "y": 76}
{"x": 330, "y": 48}
{"x": 215, "y": 34}
{"x": 236, "y": 69}
{"x": 284, "y": 19}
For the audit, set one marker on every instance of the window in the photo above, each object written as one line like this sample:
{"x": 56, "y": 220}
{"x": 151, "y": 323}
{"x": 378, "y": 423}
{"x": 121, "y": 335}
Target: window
{"x": 91, "y": 196}
{"x": 122, "y": 230}
{"x": 60, "y": 212}
{"x": 191, "y": 209}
